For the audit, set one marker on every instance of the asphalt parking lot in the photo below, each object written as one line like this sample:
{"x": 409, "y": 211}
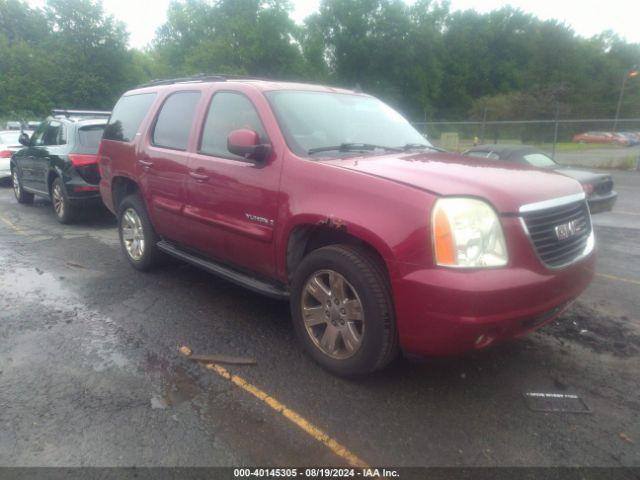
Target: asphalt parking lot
{"x": 90, "y": 373}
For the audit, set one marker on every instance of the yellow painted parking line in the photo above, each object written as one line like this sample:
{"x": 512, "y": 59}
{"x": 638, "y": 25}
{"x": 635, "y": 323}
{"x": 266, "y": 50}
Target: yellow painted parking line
{"x": 12, "y": 225}
{"x": 620, "y": 279}
{"x": 291, "y": 415}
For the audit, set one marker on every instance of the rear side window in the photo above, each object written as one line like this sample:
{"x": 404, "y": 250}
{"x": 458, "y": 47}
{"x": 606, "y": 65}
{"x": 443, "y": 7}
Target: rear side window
{"x": 54, "y": 134}
{"x": 127, "y": 116}
{"x": 175, "y": 119}
{"x": 90, "y": 136}
{"x": 227, "y": 112}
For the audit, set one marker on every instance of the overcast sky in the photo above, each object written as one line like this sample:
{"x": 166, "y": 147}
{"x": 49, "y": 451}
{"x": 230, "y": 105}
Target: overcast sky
{"x": 586, "y": 17}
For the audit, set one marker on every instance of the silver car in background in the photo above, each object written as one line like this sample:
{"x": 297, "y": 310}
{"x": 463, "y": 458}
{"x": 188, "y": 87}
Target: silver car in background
{"x": 9, "y": 144}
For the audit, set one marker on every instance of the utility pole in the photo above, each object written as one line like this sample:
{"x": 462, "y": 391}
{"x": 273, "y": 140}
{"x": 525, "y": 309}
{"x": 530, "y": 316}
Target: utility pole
{"x": 632, "y": 72}
{"x": 484, "y": 121}
{"x": 555, "y": 131}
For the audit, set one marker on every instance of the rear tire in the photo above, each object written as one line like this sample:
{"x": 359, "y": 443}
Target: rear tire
{"x": 137, "y": 235}
{"x": 367, "y": 285}
{"x": 21, "y": 196}
{"x": 63, "y": 209}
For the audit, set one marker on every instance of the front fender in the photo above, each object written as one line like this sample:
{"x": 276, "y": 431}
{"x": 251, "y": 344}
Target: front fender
{"x": 392, "y": 218}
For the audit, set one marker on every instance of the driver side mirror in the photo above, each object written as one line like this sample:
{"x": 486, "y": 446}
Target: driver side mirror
{"x": 24, "y": 139}
{"x": 246, "y": 143}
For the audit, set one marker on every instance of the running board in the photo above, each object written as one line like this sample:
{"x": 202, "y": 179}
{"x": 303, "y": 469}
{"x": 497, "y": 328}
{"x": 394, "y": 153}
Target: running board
{"x": 269, "y": 289}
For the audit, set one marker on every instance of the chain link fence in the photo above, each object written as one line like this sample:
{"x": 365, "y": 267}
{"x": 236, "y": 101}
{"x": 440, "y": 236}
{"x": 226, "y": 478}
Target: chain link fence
{"x": 556, "y": 137}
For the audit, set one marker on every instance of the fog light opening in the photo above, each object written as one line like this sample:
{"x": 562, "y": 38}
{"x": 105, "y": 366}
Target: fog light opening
{"x": 483, "y": 340}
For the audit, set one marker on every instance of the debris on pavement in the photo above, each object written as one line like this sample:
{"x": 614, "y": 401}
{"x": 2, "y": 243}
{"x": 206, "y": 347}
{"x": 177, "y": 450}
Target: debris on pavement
{"x": 626, "y": 437}
{"x": 158, "y": 403}
{"x": 228, "y": 359}
{"x": 186, "y": 351}
{"x": 596, "y": 330}
{"x": 75, "y": 265}
{"x": 556, "y": 402}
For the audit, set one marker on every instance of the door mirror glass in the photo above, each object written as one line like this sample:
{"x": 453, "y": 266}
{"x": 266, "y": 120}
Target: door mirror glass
{"x": 24, "y": 139}
{"x": 246, "y": 143}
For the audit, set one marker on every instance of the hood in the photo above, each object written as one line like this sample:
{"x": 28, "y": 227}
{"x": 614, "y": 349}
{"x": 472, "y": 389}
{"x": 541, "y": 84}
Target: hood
{"x": 583, "y": 176}
{"x": 506, "y": 185}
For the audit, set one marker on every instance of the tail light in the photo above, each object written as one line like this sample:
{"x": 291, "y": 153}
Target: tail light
{"x": 5, "y": 153}
{"x": 82, "y": 160}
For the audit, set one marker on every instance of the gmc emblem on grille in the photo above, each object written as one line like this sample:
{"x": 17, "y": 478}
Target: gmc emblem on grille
{"x": 566, "y": 230}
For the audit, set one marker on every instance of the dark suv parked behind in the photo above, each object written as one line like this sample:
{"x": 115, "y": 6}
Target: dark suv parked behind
{"x": 59, "y": 162}
{"x": 331, "y": 199}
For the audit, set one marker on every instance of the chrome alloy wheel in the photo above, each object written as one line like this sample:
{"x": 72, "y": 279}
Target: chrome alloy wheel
{"x": 333, "y": 315}
{"x": 16, "y": 183}
{"x": 132, "y": 234}
{"x": 57, "y": 197}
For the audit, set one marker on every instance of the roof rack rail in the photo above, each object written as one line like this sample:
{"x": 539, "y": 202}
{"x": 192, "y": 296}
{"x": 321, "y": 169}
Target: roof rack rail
{"x": 63, "y": 112}
{"x": 200, "y": 77}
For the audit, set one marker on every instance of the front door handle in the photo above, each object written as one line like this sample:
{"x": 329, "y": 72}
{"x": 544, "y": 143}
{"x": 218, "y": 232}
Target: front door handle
{"x": 200, "y": 177}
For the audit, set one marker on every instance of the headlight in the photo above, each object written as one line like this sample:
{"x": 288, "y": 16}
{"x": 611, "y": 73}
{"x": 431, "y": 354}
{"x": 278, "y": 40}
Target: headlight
{"x": 467, "y": 233}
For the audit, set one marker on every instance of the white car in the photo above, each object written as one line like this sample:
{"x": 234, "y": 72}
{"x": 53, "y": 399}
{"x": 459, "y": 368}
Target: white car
{"x": 9, "y": 144}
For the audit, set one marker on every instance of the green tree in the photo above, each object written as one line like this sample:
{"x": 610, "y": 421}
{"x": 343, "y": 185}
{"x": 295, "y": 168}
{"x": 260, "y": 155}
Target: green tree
{"x": 229, "y": 36}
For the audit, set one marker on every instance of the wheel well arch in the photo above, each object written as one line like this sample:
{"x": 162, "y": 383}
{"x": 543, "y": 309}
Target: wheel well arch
{"x": 51, "y": 176}
{"x": 120, "y": 188}
{"x": 304, "y": 239}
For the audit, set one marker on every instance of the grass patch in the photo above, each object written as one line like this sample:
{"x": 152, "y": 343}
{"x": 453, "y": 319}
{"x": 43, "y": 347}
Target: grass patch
{"x": 629, "y": 162}
{"x": 562, "y": 147}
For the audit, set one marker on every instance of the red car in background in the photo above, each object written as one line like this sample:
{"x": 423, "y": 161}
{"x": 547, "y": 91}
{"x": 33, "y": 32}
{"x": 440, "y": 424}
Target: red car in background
{"x": 601, "y": 137}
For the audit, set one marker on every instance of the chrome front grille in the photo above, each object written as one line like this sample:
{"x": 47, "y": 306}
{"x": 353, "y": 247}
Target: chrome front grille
{"x": 559, "y": 234}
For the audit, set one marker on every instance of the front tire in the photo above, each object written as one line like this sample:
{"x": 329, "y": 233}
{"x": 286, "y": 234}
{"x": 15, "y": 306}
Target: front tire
{"x": 63, "y": 209}
{"x": 343, "y": 311}
{"x": 18, "y": 191}
{"x": 137, "y": 235}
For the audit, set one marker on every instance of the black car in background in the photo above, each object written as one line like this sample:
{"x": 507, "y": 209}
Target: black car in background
{"x": 597, "y": 186}
{"x": 59, "y": 162}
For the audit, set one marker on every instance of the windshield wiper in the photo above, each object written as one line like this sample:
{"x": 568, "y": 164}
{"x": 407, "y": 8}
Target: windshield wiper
{"x": 353, "y": 147}
{"x": 420, "y": 146}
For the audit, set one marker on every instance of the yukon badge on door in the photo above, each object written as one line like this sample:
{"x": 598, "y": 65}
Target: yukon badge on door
{"x": 258, "y": 219}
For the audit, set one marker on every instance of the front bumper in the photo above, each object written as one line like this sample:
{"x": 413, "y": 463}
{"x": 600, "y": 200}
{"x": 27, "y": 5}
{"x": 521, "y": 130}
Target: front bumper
{"x": 445, "y": 311}
{"x": 602, "y": 203}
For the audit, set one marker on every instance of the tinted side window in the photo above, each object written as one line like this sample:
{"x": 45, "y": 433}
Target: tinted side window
{"x": 36, "y": 138}
{"x": 227, "y": 112}
{"x": 54, "y": 134}
{"x": 175, "y": 120}
{"x": 127, "y": 116}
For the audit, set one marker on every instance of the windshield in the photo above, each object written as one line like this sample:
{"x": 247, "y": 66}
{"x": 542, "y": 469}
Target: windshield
{"x": 317, "y": 120}
{"x": 10, "y": 138}
{"x": 539, "y": 160}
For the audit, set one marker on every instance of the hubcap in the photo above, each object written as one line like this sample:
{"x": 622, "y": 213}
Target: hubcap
{"x": 132, "y": 234}
{"x": 58, "y": 200}
{"x": 16, "y": 183}
{"x": 333, "y": 314}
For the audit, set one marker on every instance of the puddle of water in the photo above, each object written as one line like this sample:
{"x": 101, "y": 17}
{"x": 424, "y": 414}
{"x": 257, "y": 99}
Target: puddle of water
{"x": 176, "y": 386}
{"x": 101, "y": 339}
{"x": 50, "y": 291}
{"x": 35, "y": 284}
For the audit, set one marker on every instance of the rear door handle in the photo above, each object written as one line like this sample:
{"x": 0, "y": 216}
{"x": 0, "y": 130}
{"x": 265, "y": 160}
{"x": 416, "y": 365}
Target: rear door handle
{"x": 145, "y": 163}
{"x": 200, "y": 177}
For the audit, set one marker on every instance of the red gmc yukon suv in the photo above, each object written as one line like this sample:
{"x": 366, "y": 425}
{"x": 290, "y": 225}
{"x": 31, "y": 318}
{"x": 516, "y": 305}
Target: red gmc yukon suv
{"x": 331, "y": 199}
